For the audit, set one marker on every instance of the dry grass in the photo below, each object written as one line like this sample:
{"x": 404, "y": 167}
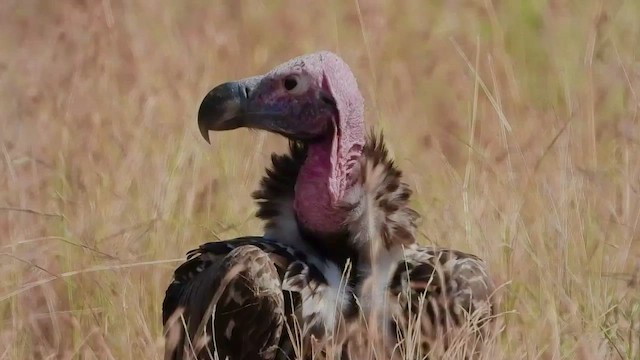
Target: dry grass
{"x": 515, "y": 121}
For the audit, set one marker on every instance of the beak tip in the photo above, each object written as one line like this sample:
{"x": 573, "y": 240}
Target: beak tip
{"x": 222, "y": 108}
{"x": 204, "y": 131}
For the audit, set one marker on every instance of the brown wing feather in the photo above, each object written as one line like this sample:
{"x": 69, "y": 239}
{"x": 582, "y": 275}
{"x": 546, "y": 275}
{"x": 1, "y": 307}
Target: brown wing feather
{"x": 441, "y": 293}
{"x": 244, "y": 287}
{"x": 265, "y": 293}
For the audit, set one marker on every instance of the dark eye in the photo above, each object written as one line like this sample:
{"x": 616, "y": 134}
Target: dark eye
{"x": 290, "y": 83}
{"x": 296, "y": 84}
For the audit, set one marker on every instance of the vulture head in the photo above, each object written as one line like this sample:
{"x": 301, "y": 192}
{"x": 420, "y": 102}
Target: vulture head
{"x": 312, "y": 99}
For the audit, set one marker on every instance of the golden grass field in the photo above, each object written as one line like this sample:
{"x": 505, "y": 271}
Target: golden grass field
{"x": 516, "y": 122}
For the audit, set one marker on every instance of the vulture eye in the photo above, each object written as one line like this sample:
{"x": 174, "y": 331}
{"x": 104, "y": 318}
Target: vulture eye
{"x": 295, "y": 84}
{"x": 290, "y": 83}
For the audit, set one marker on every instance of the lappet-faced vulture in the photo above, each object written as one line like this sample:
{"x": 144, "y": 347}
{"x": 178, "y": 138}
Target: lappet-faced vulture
{"x": 338, "y": 271}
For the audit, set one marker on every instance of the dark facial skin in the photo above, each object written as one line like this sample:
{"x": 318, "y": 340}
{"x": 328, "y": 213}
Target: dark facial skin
{"x": 291, "y": 103}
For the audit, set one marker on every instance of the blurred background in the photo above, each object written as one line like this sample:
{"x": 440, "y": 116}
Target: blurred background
{"x": 516, "y": 122}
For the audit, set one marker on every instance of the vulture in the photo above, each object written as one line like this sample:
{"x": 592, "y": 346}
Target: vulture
{"x": 338, "y": 272}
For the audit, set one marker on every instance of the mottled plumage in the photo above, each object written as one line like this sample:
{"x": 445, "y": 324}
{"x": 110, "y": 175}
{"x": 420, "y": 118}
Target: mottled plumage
{"x": 428, "y": 289}
{"x": 258, "y": 286}
{"x": 339, "y": 258}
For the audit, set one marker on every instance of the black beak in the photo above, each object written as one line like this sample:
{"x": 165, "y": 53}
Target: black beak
{"x": 224, "y": 107}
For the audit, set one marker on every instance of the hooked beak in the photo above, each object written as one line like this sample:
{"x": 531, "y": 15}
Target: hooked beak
{"x": 235, "y": 104}
{"x": 225, "y": 106}
{"x": 231, "y": 105}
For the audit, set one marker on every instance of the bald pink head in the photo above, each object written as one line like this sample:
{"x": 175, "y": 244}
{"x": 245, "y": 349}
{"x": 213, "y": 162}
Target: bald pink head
{"x": 325, "y": 175}
{"x": 312, "y": 98}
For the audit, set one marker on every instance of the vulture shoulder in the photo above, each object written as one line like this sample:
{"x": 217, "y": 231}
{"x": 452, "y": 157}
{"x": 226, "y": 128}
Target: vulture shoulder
{"x": 444, "y": 298}
{"x": 252, "y": 288}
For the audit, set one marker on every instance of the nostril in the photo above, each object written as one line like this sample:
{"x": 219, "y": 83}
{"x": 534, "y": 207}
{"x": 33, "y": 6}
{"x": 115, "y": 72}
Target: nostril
{"x": 246, "y": 91}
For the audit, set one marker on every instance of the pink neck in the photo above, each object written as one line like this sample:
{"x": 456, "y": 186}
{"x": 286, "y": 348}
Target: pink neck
{"x": 321, "y": 185}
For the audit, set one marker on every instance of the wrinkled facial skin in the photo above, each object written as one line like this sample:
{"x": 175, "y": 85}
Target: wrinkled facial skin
{"x": 313, "y": 98}
{"x": 289, "y": 101}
